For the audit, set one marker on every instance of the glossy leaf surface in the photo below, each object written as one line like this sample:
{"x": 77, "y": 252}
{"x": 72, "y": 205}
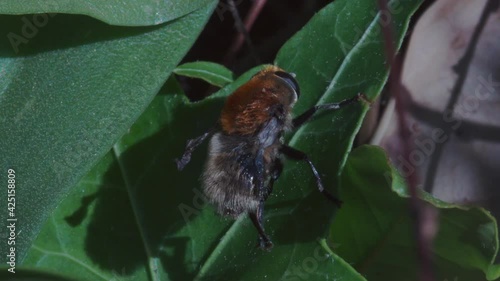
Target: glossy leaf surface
{"x": 173, "y": 231}
{"x": 69, "y": 94}
{"x": 123, "y": 12}
{"x": 375, "y": 232}
{"x": 212, "y": 73}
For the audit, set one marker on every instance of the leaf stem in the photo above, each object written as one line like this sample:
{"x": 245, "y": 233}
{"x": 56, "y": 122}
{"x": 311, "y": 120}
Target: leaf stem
{"x": 153, "y": 268}
{"x": 423, "y": 220}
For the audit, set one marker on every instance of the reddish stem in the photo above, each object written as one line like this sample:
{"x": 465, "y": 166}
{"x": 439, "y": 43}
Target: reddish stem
{"x": 247, "y": 26}
{"x": 422, "y": 220}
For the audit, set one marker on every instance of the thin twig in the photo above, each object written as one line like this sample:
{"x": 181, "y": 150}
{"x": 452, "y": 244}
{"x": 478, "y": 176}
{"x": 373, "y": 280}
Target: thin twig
{"x": 401, "y": 96}
{"x": 461, "y": 68}
{"x": 243, "y": 29}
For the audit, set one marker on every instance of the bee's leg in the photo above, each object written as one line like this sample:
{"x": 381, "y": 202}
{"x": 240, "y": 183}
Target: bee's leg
{"x": 276, "y": 170}
{"x": 261, "y": 192}
{"x": 191, "y": 145}
{"x": 299, "y": 155}
{"x": 256, "y": 217}
{"x": 304, "y": 117}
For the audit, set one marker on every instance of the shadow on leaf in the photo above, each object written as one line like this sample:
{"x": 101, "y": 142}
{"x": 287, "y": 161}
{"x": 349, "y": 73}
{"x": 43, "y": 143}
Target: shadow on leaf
{"x": 143, "y": 189}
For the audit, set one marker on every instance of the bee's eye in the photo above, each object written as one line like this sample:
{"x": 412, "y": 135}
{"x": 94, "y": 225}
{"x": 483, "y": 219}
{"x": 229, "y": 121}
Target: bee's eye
{"x": 290, "y": 80}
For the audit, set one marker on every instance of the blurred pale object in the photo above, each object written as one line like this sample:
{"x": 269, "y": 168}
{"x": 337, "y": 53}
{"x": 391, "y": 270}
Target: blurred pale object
{"x": 468, "y": 168}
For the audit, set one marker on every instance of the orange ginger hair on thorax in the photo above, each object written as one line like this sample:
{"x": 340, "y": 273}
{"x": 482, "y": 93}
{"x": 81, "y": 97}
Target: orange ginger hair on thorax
{"x": 248, "y": 107}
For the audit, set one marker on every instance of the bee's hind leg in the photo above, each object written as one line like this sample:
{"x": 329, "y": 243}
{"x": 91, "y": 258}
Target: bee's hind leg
{"x": 265, "y": 242}
{"x": 299, "y": 155}
{"x": 191, "y": 145}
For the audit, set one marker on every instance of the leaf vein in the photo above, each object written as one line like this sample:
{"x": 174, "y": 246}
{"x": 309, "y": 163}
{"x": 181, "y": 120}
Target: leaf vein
{"x": 69, "y": 257}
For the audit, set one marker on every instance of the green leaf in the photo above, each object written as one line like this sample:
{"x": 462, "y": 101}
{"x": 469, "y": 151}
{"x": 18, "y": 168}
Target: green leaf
{"x": 30, "y": 275}
{"x": 174, "y": 236}
{"x": 73, "y": 92}
{"x": 72, "y": 244}
{"x": 213, "y": 73}
{"x": 339, "y": 54}
{"x": 124, "y": 12}
{"x": 108, "y": 226}
{"x": 374, "y": 230}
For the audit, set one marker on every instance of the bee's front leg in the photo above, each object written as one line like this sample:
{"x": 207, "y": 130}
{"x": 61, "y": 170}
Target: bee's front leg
{"x": 306, "y": 116}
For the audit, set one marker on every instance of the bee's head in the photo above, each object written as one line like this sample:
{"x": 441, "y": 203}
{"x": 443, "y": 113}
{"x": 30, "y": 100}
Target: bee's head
{"x": 289, "y": 79}
{"x": 280, "y": 82}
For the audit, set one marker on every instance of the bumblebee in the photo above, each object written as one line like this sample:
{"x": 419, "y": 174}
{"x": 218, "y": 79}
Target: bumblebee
{"x": 246, "y": 146}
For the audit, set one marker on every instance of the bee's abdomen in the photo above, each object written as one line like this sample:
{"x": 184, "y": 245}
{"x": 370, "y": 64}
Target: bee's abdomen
{"x": 227, "y": 182}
